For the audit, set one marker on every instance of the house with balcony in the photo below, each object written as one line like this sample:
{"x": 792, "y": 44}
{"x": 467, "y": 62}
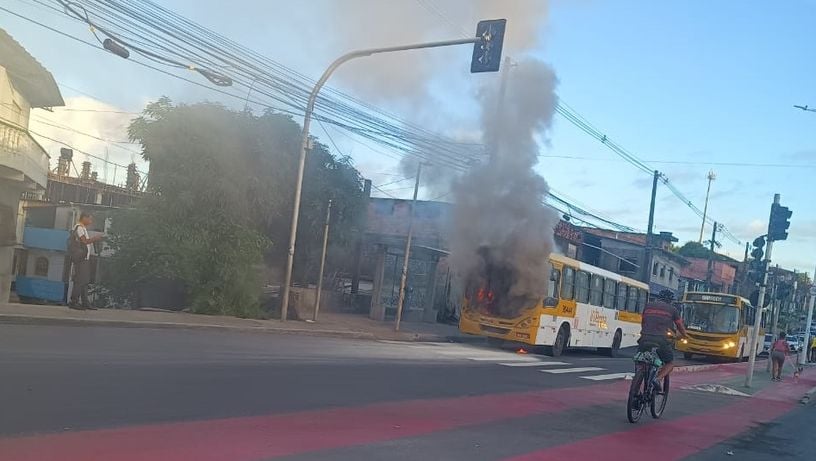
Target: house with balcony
{"x": 24, "y": 85}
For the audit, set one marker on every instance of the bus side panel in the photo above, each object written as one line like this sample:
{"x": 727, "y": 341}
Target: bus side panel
{"x": 550, "y": 321}
{"x": 629, "y": 323}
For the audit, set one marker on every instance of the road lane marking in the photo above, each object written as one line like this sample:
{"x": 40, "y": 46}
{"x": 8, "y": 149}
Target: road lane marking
{"x": 572, "y": 370}
{"x": 537, "y": 363}
{"x": 609, "y": 376}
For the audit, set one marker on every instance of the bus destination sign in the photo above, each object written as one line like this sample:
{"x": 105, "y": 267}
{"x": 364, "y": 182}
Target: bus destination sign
{"x": 711, "y": 298}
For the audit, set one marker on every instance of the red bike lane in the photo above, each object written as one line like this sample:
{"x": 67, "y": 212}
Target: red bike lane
{"x": 270, "y": 436}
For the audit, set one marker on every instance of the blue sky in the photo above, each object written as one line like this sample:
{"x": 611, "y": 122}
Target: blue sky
{"x": 690, "y": 82}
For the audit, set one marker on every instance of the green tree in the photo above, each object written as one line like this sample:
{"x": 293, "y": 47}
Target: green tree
{"x": 221, "y": 189}
{"x": 693, "y": 249}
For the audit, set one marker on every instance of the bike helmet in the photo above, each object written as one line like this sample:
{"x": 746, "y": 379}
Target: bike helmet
{"x": 667, "y": 296}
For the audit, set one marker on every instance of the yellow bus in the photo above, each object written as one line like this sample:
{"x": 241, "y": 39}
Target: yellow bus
{"x": 586, "y": 306}
{"x": 719, "y": 325}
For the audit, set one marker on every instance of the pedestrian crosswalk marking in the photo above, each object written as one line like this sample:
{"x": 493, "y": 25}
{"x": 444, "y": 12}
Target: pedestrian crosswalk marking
{"x": 609, "y": 376}
{"x": 537, "y": 363}
{"x": 572, "y": 370}
{"x": 504, "y": 357}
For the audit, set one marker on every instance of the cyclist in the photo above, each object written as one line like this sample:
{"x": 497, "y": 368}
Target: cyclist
{"x": 659, "y": 318}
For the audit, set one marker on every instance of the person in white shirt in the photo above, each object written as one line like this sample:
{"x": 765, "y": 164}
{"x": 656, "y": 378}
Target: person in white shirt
{"x": 82, "y": 267}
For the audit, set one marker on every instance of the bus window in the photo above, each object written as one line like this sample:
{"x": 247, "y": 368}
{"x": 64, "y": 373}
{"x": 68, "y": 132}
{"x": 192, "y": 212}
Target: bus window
{"x": 555, "y": 282}
{"x": 642, "y": 296}
{"x": 582, "y": 287}
{"x": 631, "y": 300}
{"x": 620, "y": 299}
{"x": 568, "y": 285}
{"x": 610, "y": 289}
{"x": 596, "y": 290}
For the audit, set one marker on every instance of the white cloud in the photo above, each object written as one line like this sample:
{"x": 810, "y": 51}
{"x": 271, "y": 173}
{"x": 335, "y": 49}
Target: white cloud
{"x": 89, "y": 126}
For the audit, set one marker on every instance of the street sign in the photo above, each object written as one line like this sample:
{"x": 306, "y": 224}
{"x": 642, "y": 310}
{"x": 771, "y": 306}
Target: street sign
{"x": 487, "y": 51}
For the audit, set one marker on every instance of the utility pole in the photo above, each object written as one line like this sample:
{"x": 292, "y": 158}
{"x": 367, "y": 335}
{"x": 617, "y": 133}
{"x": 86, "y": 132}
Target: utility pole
{"x": 711, "y": 177}
{"x": 650, "y": 231}
{"x": 710, "y": 272}
{"x": 407, "y": 254}
{"x": 809, "y": 319}
{"x": 775, "y": 308}
{"x": 749, "y": 377}
{"x": 322, "y": 261}
{"x": 488, "y": 44}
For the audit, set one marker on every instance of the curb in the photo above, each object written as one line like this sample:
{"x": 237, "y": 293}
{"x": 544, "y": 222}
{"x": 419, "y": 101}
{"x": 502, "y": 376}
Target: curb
{"x": 23, "y": 319}
{"x": 808, "y": 397}
{"x": 73, "y": 321}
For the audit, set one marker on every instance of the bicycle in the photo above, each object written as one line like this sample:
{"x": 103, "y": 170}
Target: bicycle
{"x": 642, "y": 390}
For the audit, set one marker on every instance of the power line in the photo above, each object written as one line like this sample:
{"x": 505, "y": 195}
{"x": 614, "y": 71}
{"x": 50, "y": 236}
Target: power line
{"x": 82, "y": 151}
{"x": 687, "y": 162}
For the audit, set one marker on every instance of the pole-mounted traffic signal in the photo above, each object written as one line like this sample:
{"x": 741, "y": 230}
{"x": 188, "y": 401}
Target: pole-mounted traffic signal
{"x": 487, "y": 51}
{"x": 779, "y": 222}
{"x": 756, "y": 268}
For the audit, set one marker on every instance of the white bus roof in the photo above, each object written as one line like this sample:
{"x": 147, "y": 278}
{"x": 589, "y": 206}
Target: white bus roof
{"x": 597, "y": 270}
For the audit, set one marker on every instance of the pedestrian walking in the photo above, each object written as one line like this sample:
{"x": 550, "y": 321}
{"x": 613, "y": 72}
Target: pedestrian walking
{"x": 80, "y": 249}
{"x": 779, "y": 349}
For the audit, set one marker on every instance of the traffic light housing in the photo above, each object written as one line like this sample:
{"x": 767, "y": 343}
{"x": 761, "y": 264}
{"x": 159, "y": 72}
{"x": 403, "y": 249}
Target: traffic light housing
{"x": 487, "y": 51}
{"x": 756, "y": 268}
{"x": 779, "y": 223}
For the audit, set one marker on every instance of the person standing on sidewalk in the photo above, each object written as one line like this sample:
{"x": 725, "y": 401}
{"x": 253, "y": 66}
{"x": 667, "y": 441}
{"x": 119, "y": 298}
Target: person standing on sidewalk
{"x": 779, "y": 349}
{"x": 813, "y": 348}
{"x": 80, "y": 248}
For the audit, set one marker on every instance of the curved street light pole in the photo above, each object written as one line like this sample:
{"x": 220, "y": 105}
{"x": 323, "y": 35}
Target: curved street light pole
{"x": 304, "y": 142}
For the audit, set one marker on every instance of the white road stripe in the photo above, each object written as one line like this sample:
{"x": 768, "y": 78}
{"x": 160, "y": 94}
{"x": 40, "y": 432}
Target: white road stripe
{"x": 504, "y": 358}
{"x": 572, "y": 370}
{"x": 609, "y": 376}
{"x": 532, "y": 364}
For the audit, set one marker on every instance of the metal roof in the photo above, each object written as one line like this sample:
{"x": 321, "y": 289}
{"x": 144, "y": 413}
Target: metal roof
{"x": 27, "y": 75}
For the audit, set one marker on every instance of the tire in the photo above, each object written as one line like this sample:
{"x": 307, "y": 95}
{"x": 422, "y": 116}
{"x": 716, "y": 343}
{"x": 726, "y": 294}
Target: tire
{"x": 635, "y": 403}
{"x": 688, "y": 355}
{"x": 658, "y": 403}
{"x": 616, "y": 343}
{"x": 560, "y": 343}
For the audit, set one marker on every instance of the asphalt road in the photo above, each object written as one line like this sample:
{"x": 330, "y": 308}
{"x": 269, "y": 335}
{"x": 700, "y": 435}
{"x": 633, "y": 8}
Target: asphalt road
{"x": 85, "y": 393}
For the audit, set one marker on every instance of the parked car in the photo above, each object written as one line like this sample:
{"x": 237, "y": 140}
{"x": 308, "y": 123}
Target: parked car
{"x": 767, "y": 346}
{"x": 794, "y": 343}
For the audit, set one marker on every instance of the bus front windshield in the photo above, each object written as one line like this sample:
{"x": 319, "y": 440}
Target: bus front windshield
{"x": 711, "y": 318}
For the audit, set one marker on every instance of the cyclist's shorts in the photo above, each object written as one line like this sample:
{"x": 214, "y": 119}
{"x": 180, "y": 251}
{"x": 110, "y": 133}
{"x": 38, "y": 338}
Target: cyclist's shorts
{"x": 664, "y": 348}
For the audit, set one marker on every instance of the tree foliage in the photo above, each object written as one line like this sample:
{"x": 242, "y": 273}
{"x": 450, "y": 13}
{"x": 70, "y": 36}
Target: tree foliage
{"x": 693, "y": 249}
{"x": 221, "y": 188}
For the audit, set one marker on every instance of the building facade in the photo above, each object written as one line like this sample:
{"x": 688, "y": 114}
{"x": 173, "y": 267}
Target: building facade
{"x": 626, "y": 253}
{"x": 429, "y": 284}
{"x": 24, "y": 85}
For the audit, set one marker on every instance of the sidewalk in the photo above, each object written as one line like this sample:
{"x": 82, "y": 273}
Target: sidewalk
{"x": 328, "y": 324}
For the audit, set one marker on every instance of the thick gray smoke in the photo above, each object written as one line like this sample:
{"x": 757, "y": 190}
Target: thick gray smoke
{"x": 499, "y": 213}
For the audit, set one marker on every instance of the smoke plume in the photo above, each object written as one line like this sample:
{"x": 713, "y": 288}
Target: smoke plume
{"x": 499, "y": 216}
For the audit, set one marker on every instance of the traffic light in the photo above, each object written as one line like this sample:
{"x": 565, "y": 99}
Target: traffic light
{"x": 487, "y": 51}
{"x": 756, "y": 268}
{"x": 779, "y": 223}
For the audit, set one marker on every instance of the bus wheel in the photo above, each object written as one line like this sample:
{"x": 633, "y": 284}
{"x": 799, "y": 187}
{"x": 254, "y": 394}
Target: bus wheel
{"x": 687, "y": 355}
{"x": 560, "y": 342}
{"x": 616, "y": 343}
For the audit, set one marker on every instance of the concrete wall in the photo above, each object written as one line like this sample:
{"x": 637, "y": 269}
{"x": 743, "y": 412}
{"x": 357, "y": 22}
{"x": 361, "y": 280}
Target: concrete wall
{"x": 56, "y": 264}
{"x": 14, "y": 108}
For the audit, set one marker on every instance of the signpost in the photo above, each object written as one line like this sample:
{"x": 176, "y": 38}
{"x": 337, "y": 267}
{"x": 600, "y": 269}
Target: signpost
{"x": 487, "y": 49}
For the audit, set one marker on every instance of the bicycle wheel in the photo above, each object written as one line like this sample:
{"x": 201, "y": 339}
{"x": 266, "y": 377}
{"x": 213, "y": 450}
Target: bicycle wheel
{"x": 658, "y": 403}
{"x": 635, "y": 403}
